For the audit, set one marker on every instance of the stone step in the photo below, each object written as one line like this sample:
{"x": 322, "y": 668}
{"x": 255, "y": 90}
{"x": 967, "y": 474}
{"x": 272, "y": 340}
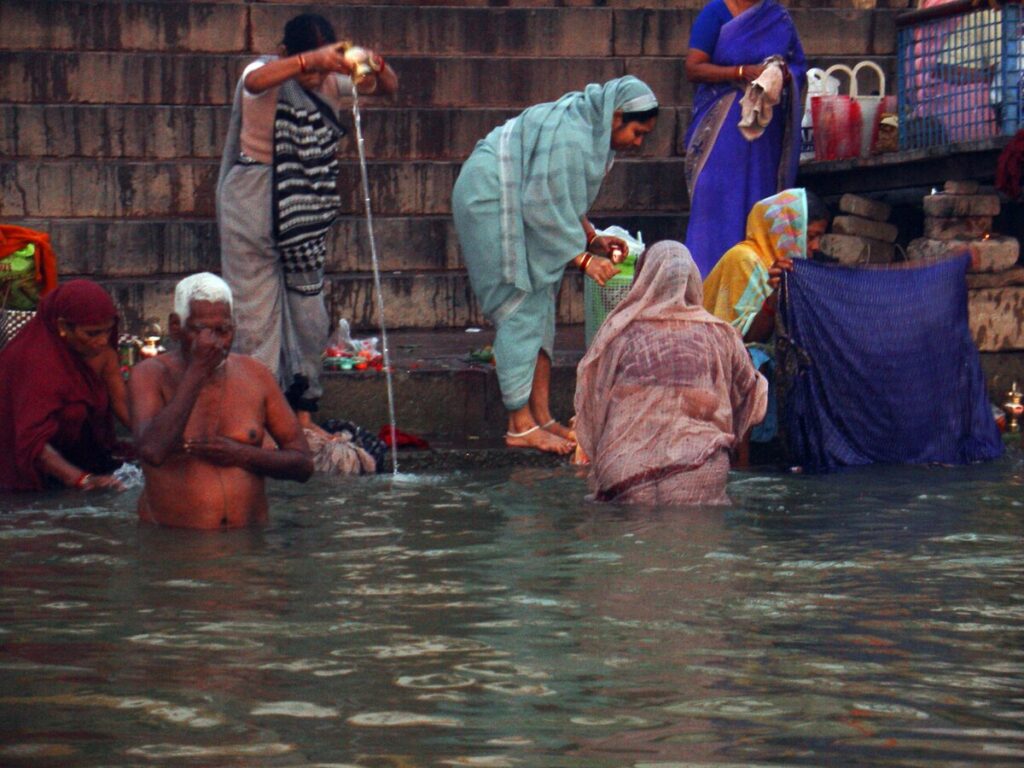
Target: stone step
{"x": 426, "y": 81}
{"x": 114, "y": 189}
{"x": 139, "y": 132}
{"x": 119, "y": 248}
{"x": 411, "y": 300}
{"x": 410, "y": 29}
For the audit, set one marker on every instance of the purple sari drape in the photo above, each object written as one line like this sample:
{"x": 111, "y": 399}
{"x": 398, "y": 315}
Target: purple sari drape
{"x": 725, "y": 173}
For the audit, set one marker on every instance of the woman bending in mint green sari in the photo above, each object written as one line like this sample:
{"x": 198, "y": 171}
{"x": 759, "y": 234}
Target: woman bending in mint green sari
{"x": 520, "y": 206}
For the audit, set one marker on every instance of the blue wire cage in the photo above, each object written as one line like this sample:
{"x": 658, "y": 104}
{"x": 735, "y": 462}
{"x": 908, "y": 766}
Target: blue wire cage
{"x": 959, "y": 73}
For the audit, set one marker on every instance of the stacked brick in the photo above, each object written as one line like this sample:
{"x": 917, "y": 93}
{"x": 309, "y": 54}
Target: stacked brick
{"x": 861, "y": 233}
{"x": 960, "y": 219}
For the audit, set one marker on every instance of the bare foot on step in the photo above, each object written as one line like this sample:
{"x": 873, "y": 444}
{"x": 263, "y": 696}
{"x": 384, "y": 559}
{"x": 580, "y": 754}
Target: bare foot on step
{"x": 539, "y": 439}
{"x": 562, "y": 431}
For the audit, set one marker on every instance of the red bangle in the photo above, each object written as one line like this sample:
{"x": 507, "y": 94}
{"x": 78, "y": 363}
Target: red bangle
{"x": 83, "y": 479}
{"x": 592, "y": 238}
{"x": 302, "y": 64}
{"x": 585, "y": 262}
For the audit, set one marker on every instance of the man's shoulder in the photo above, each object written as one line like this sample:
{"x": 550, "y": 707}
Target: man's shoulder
{"x": 251, "y": 368}
{"x": 153, "y": 367}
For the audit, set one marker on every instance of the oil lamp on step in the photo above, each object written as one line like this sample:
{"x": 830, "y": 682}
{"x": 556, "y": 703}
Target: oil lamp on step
{"x": 151, "y": 335}
{"x": 1014, "y": 408}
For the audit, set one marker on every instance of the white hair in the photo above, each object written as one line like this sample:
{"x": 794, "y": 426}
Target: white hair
{"x": 202, "y": 286}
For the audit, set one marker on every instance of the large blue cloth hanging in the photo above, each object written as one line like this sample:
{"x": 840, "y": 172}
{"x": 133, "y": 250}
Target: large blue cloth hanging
{"x": 877, "y": 365}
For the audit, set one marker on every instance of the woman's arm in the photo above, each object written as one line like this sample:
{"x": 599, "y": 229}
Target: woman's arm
{"x": 699, "y": 69}
{"x": 327, "y": 58}
{"x": 50, "y": 462}
{"x": 384, "y": 82}
{"x": 763, "y": 325}
{"x": 116, "y": 388}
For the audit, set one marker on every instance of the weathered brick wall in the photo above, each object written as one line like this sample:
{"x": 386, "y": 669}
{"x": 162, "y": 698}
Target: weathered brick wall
{"x": 112, "y": 116}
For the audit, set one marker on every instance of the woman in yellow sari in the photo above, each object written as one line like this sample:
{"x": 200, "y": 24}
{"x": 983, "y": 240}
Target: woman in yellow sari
{"x": 741, "y": 287}
{"x": 780, "y": 228}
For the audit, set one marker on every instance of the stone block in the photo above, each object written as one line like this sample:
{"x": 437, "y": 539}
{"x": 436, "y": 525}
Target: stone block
{"x": 857, "y": 250}
{"x": 866, "y": 208}
{"x": 957, "y": 228}
{"x": 106, "y": 189}
{"x": 996, "y": 254}
{"x": 952, "y": 206}
{"x": 123, "y": 26}
{"x": 639, "y": 185}
{"x": 860, "y": 227}
{"x": 117, "y": 248}
{"x": 997, "y": 318}
{"x": 665, "y": 32}
{"x": 1012, "y": 276}
{"x": 845, "y": 31}
{"x": 118, "y": 78}
{"x": 665, "y": 77}
{"x": 112, "y": 131}
{"x": 961, "y": 187}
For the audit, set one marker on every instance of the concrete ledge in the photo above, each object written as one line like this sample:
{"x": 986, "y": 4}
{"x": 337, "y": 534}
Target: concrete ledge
{"x": 913, "y": 168}
{"x": 438, "y": 393}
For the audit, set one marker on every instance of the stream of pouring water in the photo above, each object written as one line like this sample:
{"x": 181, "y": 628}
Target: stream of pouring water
{"x": 376, "y": 277}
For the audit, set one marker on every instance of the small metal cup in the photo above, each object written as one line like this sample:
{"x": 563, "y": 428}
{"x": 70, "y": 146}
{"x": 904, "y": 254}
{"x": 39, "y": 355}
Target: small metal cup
{"x": 359, "y": 59}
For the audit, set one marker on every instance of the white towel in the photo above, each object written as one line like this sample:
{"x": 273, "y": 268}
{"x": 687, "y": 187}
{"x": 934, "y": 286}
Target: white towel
{"x": 761, "y": 96}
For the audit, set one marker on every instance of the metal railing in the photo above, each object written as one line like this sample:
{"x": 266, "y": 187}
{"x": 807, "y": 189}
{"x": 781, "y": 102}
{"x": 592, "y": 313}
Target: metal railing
{"x": 959, "y": 72}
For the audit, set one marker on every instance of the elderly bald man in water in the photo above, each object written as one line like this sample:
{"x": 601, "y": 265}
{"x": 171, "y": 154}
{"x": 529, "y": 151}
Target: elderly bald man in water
{"x": 199, "y": 417}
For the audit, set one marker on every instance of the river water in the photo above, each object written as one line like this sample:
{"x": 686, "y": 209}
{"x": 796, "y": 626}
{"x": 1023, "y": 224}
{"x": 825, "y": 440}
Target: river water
{"x": 495, "y": 618}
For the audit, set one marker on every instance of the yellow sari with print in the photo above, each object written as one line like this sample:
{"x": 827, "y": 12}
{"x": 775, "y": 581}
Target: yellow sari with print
{"x": 738, "y": 285}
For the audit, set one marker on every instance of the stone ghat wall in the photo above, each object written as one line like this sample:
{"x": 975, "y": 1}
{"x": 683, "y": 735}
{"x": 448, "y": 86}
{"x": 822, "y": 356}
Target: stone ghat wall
{"x": 112, "y": 117}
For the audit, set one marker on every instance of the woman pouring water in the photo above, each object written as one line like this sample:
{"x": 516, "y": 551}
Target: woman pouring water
{"x": 520, "y": 206}
{"x": 277, "y": 197}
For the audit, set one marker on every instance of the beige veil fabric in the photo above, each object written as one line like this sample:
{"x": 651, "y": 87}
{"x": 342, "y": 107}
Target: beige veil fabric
{"x": 665, "y": 386}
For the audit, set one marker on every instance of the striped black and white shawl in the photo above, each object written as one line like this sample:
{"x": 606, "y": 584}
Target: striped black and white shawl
{"x": 305, "y": 184}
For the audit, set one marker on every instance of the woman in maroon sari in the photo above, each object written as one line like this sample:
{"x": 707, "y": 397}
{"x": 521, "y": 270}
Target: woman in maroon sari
{"x": 60, "y": 388}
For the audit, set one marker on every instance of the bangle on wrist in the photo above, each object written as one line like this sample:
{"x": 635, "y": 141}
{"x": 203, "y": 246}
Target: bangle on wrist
{"x": 585, "y": 262}
{"x": 83, "y": 479}
{"x": 739, "y": 69}
{"x": 591, "y": 238}
{"x": 302, "y": 64}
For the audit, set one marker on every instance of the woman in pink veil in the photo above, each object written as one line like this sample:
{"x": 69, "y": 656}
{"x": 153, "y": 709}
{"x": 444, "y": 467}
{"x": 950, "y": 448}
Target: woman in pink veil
{"x": 665, "y": 390}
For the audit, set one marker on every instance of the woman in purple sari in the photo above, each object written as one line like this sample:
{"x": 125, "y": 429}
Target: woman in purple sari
{"x": 726, "y": 173}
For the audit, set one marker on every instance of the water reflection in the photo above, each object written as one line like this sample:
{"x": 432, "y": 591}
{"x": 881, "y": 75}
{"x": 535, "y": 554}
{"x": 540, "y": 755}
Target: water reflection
{"x": 494, "y": 618}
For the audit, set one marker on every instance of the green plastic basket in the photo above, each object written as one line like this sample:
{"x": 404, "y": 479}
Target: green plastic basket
{"x": 598, "y": 300}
